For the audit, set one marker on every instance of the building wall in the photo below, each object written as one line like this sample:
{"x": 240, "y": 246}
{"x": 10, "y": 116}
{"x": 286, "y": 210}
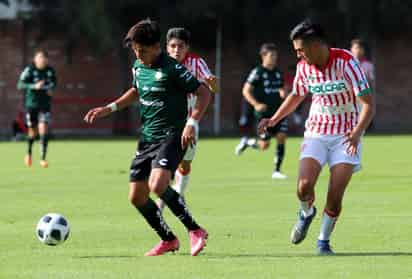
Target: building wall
{"x": 89, "y": 81}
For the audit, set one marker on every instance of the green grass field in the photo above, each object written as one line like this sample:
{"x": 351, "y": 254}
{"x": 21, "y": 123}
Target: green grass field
{"x": 248, "y": 215}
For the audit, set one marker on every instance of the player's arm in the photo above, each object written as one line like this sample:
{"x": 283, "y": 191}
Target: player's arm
{"x": 192, "y": 125}
{"x": 288, "y": 106}
{"x": 127, "y": 99}
{"x": 206, "y": 75}
{"x": 24, "y": 81}
{"x": 51, "y": 84}
{"x": 211, "y": 82}
{"x": 247, "y": 92}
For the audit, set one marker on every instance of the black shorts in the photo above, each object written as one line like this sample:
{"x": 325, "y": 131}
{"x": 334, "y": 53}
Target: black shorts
{"x": 281, "y": 127}
{"x": 36, "y": 116}
{"x": 166, "y": 154}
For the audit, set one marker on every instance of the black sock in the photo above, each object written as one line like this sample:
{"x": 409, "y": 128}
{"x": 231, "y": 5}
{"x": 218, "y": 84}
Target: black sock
{"x": 44, "y": 140}
{"x": 29, "y": 145}
{"x": 280, "y": 154}
{"x": 178, "y": 207}
{"x": 154, "y": 217}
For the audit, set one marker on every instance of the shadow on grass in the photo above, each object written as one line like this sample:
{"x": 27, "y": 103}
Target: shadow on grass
{"x": 306, "y": 255}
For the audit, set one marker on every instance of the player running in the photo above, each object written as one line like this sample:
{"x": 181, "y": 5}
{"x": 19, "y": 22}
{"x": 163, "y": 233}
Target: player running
{"x": 38, "y": 80}
{"x": 264, "y": 90}
{"x": 333, "y": 129}
{"x": 178, "y": 40}
{"x": 161, "y": 85}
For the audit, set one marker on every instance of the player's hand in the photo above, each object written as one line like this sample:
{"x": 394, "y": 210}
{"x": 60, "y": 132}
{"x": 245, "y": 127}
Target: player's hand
{"x": 260, "y": 107}
{"x": 39, "y": 85}
{"x": 264, "y": 124}
{"x": 189, "y": 136}
{"x": 212, "y": 83}
{"x": 95, "y": 113}
{"x": 352, "y": 141}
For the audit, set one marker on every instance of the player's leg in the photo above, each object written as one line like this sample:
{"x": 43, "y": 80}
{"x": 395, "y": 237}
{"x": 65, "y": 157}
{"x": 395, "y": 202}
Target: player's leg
{"x": 44, "y": 137}
{"x": 165, "y": 163}
{"x": 309, "y": 170}
{"x": 182, "y": 175}
{"x": 280, "y": 155}
{"x": 140, "y": 199}
{"x": 340, "y": 176}
{"x": 31, "y": 122}
{"x": 245, "y": 122}
{"x": 313, "y": 156}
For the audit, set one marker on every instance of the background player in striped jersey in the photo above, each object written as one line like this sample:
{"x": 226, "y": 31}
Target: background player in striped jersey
{"x": 358, "y": 49}
{"x": 333, "y": 129}
{"x": 178, "y": 40}
{"x": 264, "y": 90}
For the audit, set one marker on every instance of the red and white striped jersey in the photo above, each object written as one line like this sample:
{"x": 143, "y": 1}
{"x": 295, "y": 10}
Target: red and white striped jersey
{"x": 198, "y": 67}
{"x": 334, "y": 88}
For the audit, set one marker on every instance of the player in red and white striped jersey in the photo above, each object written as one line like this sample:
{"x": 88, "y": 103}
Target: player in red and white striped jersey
{"x": 358, "y": 50}
{"x": 333, "y": 129}
{"x": 178, "y": 47}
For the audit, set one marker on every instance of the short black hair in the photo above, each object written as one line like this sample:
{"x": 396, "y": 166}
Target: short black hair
{"x": 178, "y": 33}
{"x": 359, "y": 42}
{"x": 146, "y": 32}
{"x": 307, "y": 30}
{"x": 267, "y": 47}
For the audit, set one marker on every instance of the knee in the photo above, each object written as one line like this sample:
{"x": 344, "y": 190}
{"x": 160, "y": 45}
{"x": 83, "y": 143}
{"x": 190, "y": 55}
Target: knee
{"x": 263, "y": 145}
{"x": 305, "y": 189}
{"x": 158, "y": 185}
{"x": 137, "y": 200}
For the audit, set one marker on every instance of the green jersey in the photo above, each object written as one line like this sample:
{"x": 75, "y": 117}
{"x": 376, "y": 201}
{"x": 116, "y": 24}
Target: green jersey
{"x": 266, "y": 84}
{"x": 163, "y": 89}
{"x": 37, "y": 98}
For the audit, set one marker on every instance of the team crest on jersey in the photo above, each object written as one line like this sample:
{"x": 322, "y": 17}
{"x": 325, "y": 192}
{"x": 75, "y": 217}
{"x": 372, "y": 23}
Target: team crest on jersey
{"x": 265, "y": 75}
{"x": 35, "y": 73}
{"x": 49, "y": 73}
{"x": 158, "y": 75}
{"x": 277, "y": 75}
{"x": 311, "y": 77}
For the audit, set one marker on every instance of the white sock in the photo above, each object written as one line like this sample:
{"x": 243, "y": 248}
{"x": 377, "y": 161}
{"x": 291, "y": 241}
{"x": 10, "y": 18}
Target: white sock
{"x": 252, "y": 143}
{"x": 307, "y": 208}
{"x": 181, "y": 182}
{"x": 328, "y": 223}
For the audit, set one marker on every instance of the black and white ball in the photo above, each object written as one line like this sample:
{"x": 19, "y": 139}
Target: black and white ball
{"x": 52, "y": 229}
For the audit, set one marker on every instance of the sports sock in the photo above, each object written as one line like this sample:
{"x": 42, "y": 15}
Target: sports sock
{"x": 252, "y": 143}
{"x": 306, "y": 207}
{"x": 30, "y": 142}
{"x": 328, "y": 223}
{"x": 154, "y": 217}
{"x": 181, "y": 181}
{"x": 178, "y": 207}
{"x": 44, "y": 141}
{"x": 280, "y": 154}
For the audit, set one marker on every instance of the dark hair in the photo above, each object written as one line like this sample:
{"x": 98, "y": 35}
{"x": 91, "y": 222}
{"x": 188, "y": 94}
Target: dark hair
{"x": 307, "y": 30}
{"x": 178, "y": 33}
{"x": 146, "y": 32}
{"x": 359, "y": 42}
{"x": 41, "y": 51}
{"x": 267, "y": 47}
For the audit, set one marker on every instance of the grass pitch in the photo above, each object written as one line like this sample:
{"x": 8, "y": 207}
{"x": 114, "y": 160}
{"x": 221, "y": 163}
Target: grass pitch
{"x": 248, "y": 215}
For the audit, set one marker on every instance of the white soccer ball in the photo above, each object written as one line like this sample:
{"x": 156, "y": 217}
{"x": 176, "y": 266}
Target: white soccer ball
{"x": 52, "y": 229}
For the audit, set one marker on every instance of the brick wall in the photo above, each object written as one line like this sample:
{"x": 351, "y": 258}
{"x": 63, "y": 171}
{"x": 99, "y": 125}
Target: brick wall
{"x": 91, "y": 80}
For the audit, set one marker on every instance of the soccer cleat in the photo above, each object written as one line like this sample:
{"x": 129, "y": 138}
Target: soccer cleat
{"x": 324, "y": 248}
{"x": 163, "y": 247}
{"x": 27, "y": 160}
{"x": 301, "y": 227}
{"x": 44, "y": 164}
{"x": 241, "y": 147}
{"x": 278, "y": 175}
{"x": 197, "y": 241}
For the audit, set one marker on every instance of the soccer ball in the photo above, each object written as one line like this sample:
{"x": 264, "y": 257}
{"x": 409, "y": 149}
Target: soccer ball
{"x": 52, "y": 229}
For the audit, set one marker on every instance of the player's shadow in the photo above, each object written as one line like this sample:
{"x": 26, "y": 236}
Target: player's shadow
{"x": 306, "y": 255}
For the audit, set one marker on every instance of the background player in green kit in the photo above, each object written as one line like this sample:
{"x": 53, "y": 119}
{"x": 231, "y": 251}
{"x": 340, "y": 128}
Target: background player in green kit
{"x": 161, "y": 85}
{"x": 264, "y": 90}
{"x": 38, "y": 81}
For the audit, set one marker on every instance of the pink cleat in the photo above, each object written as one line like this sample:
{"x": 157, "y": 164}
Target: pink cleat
{"x": 197, "y": 241}
{"x": 164, "y": 247}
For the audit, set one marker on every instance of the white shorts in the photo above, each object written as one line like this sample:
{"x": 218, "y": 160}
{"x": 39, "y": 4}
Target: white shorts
{"x": 191, "y": 150}
{"x": 331, "y": 150}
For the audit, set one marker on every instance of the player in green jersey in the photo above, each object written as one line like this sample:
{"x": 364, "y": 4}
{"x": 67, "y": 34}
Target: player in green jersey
{"x": 38, "y": 81}
{"x": 264, "y": 90}
{"x": 161, "y": 85}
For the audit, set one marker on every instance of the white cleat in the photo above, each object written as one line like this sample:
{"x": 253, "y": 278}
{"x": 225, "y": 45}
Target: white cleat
{"x": 278, "y": 175}
{"x": 241, "y": 147}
